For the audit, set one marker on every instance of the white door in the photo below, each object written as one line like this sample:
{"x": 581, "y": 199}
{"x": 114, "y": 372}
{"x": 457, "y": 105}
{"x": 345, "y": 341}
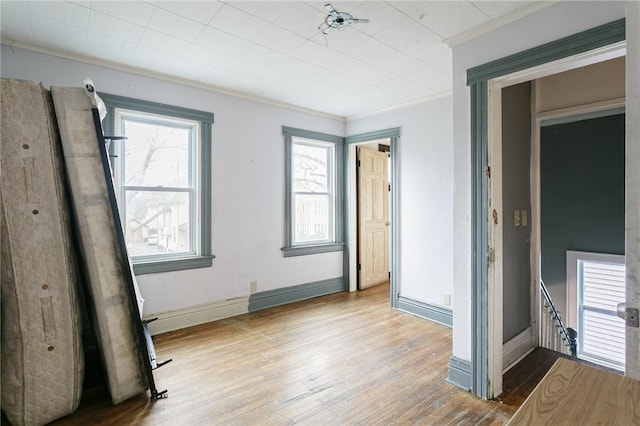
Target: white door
{"x": 373, "y": 218}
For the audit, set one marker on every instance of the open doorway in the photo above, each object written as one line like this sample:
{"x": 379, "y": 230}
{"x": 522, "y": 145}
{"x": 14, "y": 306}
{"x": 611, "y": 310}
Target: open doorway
{"x": 371, "y": 211}
{"x": 515, "y": 241}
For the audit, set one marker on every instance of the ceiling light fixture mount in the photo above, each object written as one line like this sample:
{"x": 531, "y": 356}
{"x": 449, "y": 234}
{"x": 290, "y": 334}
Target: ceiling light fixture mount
{"x": 338, "y": 20}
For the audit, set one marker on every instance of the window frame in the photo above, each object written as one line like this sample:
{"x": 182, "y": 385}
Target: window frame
{"x": 202, "y": 256}
{"x": 337, "y": 171}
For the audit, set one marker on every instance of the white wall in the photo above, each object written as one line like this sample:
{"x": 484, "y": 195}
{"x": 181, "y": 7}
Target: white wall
{"x": 602, "y": 81}
{"x": 552, "y": 23}
{"x": 248, "y": 183}
{"x": 425, "y": 152}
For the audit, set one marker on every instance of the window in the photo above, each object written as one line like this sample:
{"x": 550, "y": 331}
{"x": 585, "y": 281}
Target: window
{"x": 162, "y": 178}
{"x": 597, "y": 281}
{"x": 313, "y": 210}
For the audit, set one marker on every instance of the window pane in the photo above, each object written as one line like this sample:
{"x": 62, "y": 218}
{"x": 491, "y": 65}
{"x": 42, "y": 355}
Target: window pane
{"x": 156, "y": 154}
{"x": 157, "y": 222}
{"x": 310, "y": 168}
{"x": 312, "y": 218}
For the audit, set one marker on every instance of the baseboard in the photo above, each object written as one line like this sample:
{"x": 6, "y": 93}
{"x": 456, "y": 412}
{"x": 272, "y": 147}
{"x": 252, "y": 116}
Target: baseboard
{"x": 459, "y": 374}
{"x": 282, "y": 296}
{"x": 438, "y": 314}
{"x": 200, "y": 314}
{"x": 517, "y": 348}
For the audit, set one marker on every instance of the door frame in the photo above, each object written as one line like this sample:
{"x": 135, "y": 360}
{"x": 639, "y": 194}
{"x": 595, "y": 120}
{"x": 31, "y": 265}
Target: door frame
{"x": 486, "y": 81}
{"x": 350, "y": 267}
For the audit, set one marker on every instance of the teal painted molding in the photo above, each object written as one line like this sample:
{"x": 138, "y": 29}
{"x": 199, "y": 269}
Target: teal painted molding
{"x": 204, "y": 257}
{"x": 309, "y": 134}
{"x": 600, "y": 36}
{"x": 459, "y": 373}
{"x": 315, "y": 249}
{"x": 479, "y": 240}
{"x": 372, "y": 136}
{"x": 154, "y": 267}
{"x": 394, "y": 136}
{"x": 156, "y": 108}
{"x": 282, "y": 296}
{"x": 477, "y": 78}
{"x": 289, "y": 249}
{"x": 438, "y": 314}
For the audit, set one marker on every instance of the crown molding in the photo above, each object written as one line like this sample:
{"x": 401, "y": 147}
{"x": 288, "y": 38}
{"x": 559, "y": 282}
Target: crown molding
{"x": 422, "y": 100}
{"x": 166, "y": 77}
{"x": 493, "y": 24}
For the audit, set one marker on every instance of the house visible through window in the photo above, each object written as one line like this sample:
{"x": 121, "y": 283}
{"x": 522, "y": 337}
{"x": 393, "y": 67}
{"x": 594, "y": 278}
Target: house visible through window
{"x": 161, "y": 175}
{"x": 313, "y": 166}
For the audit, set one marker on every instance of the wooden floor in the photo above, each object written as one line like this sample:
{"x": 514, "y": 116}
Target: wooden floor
{"x": 342, "y": 359}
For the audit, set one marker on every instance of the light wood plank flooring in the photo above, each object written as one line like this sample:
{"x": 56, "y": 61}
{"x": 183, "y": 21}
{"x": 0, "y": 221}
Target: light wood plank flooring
{"x": 342, "y": 359}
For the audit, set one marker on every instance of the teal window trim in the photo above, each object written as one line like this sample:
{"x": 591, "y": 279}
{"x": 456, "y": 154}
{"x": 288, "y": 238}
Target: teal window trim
{"x": 477, "y": 80}
{"x": 337, "y": 244}
{"x": 202, "y": 258}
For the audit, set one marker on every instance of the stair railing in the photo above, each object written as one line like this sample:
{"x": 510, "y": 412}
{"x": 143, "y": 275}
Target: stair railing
{"x": 566, "y": 335}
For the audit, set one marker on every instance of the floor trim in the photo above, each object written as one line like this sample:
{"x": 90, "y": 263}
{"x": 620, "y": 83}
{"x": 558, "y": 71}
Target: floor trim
{"x": 517, "y": 348}
{"x": 282, "y": 296}
{"x": 438, "y": 314}
{"x": 195, "y": 315}
{"x": 459, "y": 373}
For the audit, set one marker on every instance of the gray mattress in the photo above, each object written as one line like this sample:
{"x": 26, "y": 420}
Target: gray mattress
{"x": 113, "y": 316}
{"x": 42, "y": 357}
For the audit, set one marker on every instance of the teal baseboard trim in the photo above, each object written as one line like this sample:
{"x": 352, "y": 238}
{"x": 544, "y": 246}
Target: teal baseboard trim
{"x": 459, "y": 373}
{"x": 282, "y": 296}
{"x": 435, "y": 313}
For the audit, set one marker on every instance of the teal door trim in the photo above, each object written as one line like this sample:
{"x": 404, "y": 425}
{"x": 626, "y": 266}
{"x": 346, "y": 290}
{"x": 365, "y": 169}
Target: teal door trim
{"x": 478, "y": 78}
{"x": 394, "y": 136}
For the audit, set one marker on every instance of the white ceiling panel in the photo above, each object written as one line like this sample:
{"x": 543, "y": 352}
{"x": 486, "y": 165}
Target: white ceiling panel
{"x": 114, "y": 28}
{"x": 199, "y": 11}
{"x": 135, "y": 12}
{"x": 236, "y": 22}
{"x": 380, "y": 15}
{"x": 174, "y": 25}
{"x": 108, "y": 48}
{"x": 495, "y": 9}
{"x": 409, "y": 37}
{"x": 279, "y": 39}
{"x": 14, "y": 20}
{"x": 61, "y": 12}
{"x": 209, "y": 57}
{"x": 445, "y": 18}
{"x": 301, "y": 19}
{"x": 163, "y": 43}
{"x": 271, "y": 50}
{"x": 65, "y": 37}
{"x": 340, "y": 5}
{"x": 341, "y": 39}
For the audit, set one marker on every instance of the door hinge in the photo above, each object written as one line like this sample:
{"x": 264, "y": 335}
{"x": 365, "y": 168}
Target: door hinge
{"x": 358, "y": 163}
{"x": 389, "y": 274}
{"x": 489, "y": 172}
{"x": 359, "y": 267}
{"x": 389, "y": 187}
{"x": 491, "y": 256}
{"x": 631, "y": 316}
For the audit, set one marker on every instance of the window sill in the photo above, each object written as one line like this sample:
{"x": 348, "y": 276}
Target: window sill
{"x": 311, "y": 249}
{"x": 169, "y": 265}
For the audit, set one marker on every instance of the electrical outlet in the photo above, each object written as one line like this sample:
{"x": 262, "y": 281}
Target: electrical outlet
{"x": 447, "y": 299}
{"x": 525, "y": 219}
{"x": 253, "y": 286}
{"x": 516, "y": 218}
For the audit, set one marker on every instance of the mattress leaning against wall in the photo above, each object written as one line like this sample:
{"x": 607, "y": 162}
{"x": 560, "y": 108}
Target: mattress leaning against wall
{"x": 42, "y": 357}
{"x": 105, "y": 266}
